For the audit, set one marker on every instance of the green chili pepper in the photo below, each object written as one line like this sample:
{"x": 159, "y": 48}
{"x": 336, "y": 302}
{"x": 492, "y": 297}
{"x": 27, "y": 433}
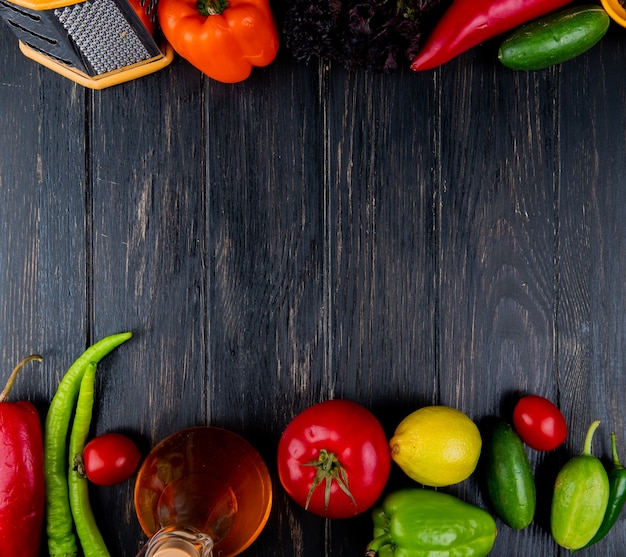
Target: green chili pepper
{"x": 580, "y": 498}
{"x": 617, "y": 495}
{"x": 59, "y": 522}
{"x": 91, "y": 540}
{"x": 421, "y": 522}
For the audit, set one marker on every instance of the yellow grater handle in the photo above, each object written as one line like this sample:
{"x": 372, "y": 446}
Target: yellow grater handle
{"x": 106, "y": 80}
{"x": 40, "y": 5}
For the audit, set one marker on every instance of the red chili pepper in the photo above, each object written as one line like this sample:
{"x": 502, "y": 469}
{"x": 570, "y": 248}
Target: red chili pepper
{"x": 224, "y": 39}
{"x": 21, "y": 474}
{"x": 467, "y": 23}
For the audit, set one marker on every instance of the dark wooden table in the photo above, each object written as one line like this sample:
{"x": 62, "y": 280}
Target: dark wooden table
{"x": 453, "y": 237}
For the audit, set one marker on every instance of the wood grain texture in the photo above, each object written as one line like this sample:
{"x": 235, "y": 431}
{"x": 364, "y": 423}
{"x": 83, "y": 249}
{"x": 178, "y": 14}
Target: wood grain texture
{"x": 382, "y": 255}
{"x": 450, "y": 237}
{"x": 496, "y": 249}
{"x": 266, "y": 284}
{"x": 43, "y": 243}
{"x": 590, "y": 312}
{"x": 147, "y": 265}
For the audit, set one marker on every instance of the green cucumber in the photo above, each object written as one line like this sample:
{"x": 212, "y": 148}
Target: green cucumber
{"x": 554, "y": 38}
{"x": 509, "y": 479}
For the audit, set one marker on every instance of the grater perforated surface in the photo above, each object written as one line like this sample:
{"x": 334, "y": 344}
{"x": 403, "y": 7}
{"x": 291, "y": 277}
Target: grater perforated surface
{"x": 103, "y": 35}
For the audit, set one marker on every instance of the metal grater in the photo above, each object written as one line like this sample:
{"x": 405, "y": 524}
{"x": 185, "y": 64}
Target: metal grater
{"x": 97, "y": 43}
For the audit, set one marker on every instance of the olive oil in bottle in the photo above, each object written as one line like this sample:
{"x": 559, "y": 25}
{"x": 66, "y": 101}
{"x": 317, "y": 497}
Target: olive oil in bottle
{"x": 202, "y": 492}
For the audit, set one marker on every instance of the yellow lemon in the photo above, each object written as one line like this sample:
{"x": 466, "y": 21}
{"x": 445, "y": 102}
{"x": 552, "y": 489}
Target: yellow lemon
{"x": 436, "y": 446}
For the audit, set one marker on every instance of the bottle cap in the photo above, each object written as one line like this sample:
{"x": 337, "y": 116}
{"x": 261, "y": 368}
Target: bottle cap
{"x": 173, "y": 542}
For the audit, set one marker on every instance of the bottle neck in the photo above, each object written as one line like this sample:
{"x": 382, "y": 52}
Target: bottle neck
{"x": 179, "y": 542}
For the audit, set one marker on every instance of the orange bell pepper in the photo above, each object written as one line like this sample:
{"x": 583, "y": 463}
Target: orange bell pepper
{"x": 224, "y": 39}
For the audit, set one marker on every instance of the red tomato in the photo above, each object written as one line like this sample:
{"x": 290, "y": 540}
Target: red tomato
{"x": 110, "y": 458}
{"x": 539, "y": 423}
{"x": 333, "y": 459}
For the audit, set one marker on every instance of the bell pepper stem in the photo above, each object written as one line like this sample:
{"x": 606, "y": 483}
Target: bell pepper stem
{"x": 4, "y": 395}
{"x": 211, "y": 7}
{"x": 589, "y": 437}
{"x": 374, "y": 546}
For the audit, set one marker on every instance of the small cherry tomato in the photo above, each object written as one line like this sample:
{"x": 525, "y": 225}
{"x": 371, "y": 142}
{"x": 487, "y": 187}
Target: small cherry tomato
{"x": 333, "y": 459}
{"x": 110, "y": 458}
{"x": 539, "y": 423}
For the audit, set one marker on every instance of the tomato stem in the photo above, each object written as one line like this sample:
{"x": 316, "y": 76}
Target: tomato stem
{"x": 211, "y": 7}
{"x": 5, "y": 392}
{"x": 329, "y": 469}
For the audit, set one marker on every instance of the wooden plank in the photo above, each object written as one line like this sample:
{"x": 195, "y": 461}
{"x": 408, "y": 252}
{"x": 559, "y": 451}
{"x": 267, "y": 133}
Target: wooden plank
{"x": 19, "y": 247}
{"x": 266, "y": 240}
{"x": 42, "y": 187}
{"x": 497, "y": 134}
{"x": 381, "y": 216}
{"x": 147, "y": 262}
{"x": 42, "y": 250}
{"x": 592, "y": 255}
{"x": 381, "y": 261}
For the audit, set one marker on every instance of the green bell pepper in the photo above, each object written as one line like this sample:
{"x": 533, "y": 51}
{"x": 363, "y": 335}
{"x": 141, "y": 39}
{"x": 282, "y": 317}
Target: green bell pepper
{"x": 421, "y": 522}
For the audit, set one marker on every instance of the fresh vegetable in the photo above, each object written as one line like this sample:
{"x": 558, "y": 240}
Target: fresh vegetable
{"x": 369, "y": 34}
{"x": 581, "y": 495}
{"x": 539, "y": 423}
{"x": 436, "y": 446}
{"x": 333, "y": 459}
{"x": 224, "y": 39}
{"x": 467, "y": 23}
{"x": 91, "y": 540}
{"x": 21, "y": 474}
{"x": 617, "y": 496}
{"x": 509, "y": 478}
{"x": 59, "y": 522}
{"x": 110, "y": 458}
{"x": 555, "y": 38}
{"x": 421, "y": 522}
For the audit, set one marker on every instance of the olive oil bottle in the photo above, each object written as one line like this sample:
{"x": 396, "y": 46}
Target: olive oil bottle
{"x": 202, "y": 492}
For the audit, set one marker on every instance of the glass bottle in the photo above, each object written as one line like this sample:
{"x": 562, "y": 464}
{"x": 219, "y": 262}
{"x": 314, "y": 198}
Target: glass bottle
{"x": 202, "y": 492}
